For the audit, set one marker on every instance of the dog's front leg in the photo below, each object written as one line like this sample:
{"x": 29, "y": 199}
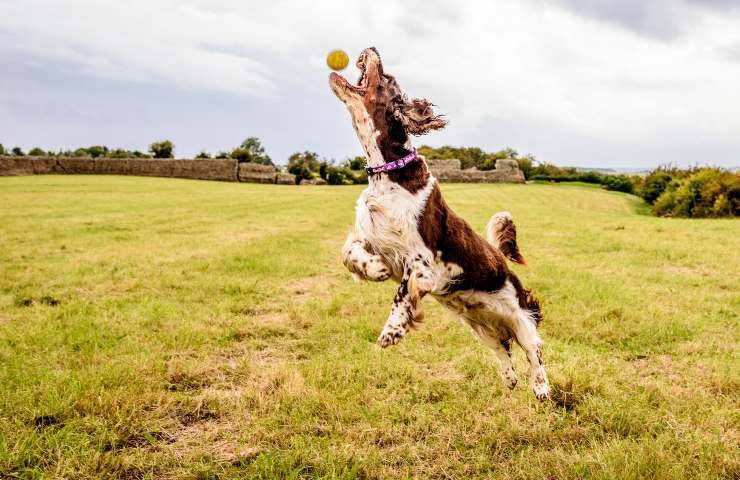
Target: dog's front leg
{"x": 406, "y": 309}
{"x": 363, "y": 264}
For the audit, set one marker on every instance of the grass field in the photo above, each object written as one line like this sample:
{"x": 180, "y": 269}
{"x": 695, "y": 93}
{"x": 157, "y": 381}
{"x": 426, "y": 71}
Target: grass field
{"x": 159, "y": 328}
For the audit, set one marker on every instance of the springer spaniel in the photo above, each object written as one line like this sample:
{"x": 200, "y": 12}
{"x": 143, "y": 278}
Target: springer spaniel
{"x": 404, "y": 230}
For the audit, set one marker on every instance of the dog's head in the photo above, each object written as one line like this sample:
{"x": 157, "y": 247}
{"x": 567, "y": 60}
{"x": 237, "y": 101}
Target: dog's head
{"x": 379, "y": 109}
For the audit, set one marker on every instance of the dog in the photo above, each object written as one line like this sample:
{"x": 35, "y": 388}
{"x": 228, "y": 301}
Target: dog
{"x": 405, "y": 231}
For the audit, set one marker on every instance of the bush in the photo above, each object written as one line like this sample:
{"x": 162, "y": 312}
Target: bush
{"x": 203, "y": 155}
{"x": 2, "y": 149}
{"x": 119, "y": 153}
{"x": 304, "y": 165}
{"x": 339, "y": 176}
{"x": 526, "y": 164}
{"x": 17, "y": 152}
{"x": 251, "y": 150}
{"x": 37, "y": 152}
{"x": 706, "y": 192}
{"x": 96, "y": 151}
{"x": 163, "y": 149}
{"x": 659, "y": 180}
{"x": 359, "y": 176}
{"x": 619, "y": 183}
{"x": 468, "y": 156}
{"x": 357, "y": 163}
{"x": 342, "y": 174}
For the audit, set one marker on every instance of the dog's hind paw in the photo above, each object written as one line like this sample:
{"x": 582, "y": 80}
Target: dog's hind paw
{"x": 509, "y": 377}
{"x": 390, "y": 336}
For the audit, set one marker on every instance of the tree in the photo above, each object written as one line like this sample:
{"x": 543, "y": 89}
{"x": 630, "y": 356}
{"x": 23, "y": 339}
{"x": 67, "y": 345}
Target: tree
{"x": 251, "y": 150}
{"x": 468, "y": 156}
{"x": 241, "y": 154}
{"x": 303, "y": 165}
{"x": 526, "y": 164}
{"x": 203, "y": 154}
{"x": 17, "y": 152}
{"x": 96, "y": 151}
{"x": 163, "y": 149}
{"x": 2, "y": 149}
{"x": 37, "y": 152}
{"x": 357, "y": 163}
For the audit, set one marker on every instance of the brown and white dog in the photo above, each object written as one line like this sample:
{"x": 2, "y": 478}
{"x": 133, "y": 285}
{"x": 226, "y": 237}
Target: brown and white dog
{"x": 404, "y": 230}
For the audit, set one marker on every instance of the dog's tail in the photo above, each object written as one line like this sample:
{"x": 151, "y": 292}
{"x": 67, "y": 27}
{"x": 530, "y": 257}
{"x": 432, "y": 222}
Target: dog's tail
{"x": 501, "y": 233}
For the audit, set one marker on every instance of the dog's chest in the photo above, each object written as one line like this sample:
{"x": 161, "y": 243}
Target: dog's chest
{"x": 387, "y": 217}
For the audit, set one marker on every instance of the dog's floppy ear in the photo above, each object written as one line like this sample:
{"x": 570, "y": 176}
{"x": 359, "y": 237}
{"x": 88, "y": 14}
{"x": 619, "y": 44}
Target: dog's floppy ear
{"x": 416, "y": 116}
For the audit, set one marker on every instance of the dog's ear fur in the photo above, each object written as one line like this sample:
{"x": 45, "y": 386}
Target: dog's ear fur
{"x": 416, "y": 116}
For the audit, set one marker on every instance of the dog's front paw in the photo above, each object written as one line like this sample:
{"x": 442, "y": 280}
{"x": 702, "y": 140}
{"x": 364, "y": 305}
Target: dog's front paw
{"x": 541, "y": 388}
{"x": 391, "y": 336}
{"x": 375, "y": 270}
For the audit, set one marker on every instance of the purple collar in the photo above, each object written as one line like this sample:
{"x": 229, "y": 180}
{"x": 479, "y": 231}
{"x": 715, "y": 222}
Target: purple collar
{"x": 394, "y": 165}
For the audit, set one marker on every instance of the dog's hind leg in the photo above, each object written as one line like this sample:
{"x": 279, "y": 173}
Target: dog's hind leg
{"x": 502, "y": 349}
{"x": 526, "y": 336}
{"x": 363, "y": 264}
{"x": 406, "y": 310}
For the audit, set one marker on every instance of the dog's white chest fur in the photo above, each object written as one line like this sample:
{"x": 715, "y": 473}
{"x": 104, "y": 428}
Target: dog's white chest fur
{"x": 387, "y": 216}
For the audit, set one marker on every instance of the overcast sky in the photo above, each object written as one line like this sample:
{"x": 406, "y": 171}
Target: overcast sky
{"x": 601, "y": 83}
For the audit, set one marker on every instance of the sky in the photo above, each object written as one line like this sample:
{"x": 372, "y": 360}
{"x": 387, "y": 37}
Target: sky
{"x": 592, "y": 83}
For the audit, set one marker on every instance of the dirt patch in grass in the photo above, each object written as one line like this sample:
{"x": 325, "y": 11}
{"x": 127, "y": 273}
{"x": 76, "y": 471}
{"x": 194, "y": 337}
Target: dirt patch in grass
{"x": 29, "y": 301}
{"x": 568, "y": 394}
{"x": 304, "y": 289}
{"x": 43, "y": 421}
{"x": 187, "y": 381}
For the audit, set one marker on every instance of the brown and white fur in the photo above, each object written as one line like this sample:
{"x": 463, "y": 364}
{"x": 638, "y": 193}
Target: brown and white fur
{"x": 404, "y": 230}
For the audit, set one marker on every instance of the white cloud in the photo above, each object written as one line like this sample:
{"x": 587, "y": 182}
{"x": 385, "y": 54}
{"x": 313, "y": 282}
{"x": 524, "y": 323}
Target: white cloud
{"x": 575, "y": 80}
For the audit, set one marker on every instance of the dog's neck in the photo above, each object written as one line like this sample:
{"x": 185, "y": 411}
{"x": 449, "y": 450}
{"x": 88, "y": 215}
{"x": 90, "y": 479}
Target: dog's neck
{"x": 366, "y": 132}
{"x": 413, "y": 177}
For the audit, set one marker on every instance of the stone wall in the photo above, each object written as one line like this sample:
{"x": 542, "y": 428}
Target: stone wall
{"x": 256, "y": 173}
{"x": 506, "y": 171}
{"x": 226, "y": 170}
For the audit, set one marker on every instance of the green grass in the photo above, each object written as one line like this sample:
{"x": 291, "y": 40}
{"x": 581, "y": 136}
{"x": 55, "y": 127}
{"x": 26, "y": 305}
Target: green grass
{"x": 158, "y": 328}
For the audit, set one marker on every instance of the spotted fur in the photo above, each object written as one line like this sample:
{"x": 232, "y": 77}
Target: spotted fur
{"x": 405, "y": 230}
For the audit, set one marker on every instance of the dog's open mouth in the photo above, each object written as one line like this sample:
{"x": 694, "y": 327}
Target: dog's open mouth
{"x": 338, "y": 80}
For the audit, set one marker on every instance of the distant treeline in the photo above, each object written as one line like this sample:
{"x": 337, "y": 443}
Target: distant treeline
{"x": 532, "y": 168}
{"x": 670, "y": 191}
{"x": 305, "y": 165}
{"x": 309, "y": 166}
{"x": 694, "y": 192}
{"x": 250, "y": 150}
{"x": 474, "y": 157}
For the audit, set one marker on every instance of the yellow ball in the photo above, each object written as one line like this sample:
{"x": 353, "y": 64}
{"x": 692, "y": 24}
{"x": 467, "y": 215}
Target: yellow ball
{"x": 337, "y": 60}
